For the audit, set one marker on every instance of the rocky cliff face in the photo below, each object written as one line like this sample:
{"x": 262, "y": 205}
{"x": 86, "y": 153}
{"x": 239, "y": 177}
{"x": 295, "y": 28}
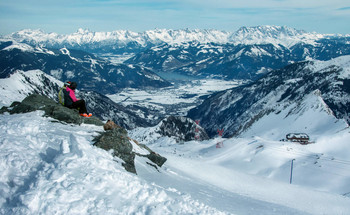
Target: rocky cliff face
{"x": 182, "y": 129}
{"x": 177, "y": 128}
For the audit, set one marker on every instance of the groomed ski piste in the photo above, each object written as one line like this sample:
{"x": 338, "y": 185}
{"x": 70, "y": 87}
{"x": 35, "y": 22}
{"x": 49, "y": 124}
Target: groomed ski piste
{"x": 50, "y": 167}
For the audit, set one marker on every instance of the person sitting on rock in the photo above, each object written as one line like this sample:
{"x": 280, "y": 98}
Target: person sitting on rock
{"x": 72, "y": 102}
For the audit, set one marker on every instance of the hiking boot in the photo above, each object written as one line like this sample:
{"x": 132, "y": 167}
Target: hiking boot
{"x": 84, "y": 115}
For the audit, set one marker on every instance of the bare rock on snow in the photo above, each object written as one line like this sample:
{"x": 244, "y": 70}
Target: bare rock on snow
{"x": 52, "y": 109}
{"x": 152, "y": 156}
{"x": 182, "y": 128}
{"x": 114, "y": 138}
{"x": 117, "y": 139}
{"x": 110, "y": 125}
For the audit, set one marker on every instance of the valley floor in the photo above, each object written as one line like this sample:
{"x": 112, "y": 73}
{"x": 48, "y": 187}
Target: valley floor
{"x": 174, "y": 100}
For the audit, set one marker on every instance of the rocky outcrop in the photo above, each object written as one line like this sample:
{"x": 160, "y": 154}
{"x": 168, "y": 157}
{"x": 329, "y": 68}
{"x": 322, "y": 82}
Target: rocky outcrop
{"x": 117, "y": 139}
{"x": 52, "y": 109}
{"x": 110, "y": 125}
{"x": 114, "y": 138}
{"x": 37, "y": 82}
{"x": 182, "y": 129}
{"x": 151, "y": 155}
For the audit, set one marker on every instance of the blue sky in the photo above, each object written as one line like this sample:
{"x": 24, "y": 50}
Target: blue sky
{"x": 67, "y": 16}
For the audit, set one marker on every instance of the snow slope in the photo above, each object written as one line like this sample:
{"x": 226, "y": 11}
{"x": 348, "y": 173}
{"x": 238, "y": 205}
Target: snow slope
{"x": 21, "y": 84}
{"x": 310, "y": 115}
{"x": 289, "y": 92}
{"x": 52, "y": 168}
{"x": 251, "y": 175}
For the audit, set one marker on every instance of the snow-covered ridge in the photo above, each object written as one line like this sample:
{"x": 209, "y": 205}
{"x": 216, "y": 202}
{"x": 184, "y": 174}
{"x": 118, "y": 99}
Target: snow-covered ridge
{"x": 341, "y": 62}
{"x": 277, "y": 35}
{"x": 275, "y": 92}
{"x": 121, "y": 36}
{"x": 21, "y": 84}
{"x": 245, "y": 35}
{"x": 26, "y": 48}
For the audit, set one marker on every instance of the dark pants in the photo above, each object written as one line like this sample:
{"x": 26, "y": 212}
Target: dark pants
{"x": 80, "y": 105}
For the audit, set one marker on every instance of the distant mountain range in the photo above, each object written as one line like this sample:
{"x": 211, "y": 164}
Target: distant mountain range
{"x": 298, "y": 94}
{"x": 289, "y": 70}
{"x": 247, "y": 53}
{"x": 89, "y": 71}
{"x": 124, "y": 40}
{"x": 230, "y": 61}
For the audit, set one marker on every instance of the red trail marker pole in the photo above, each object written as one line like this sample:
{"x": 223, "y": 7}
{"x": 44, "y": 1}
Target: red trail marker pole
{"x": 220, "y": 144}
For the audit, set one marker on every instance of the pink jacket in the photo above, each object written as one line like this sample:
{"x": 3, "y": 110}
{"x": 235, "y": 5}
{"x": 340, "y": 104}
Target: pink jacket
{"x": 71, "y": 94}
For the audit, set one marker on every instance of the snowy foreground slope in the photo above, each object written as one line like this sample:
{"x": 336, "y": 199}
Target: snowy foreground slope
{"x": 52, "y": 168}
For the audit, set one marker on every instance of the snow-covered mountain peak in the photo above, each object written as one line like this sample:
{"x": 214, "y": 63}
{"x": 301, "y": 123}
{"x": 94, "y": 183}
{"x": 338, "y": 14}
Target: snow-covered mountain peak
{"x": 273, "y": 34}
{"x": 246, "y": 35}
{"x": 187, "y": 35}
{"x": 29, "y": 32}
{"x": 318, "y": 94}
{"x": 83, "y": 31}
{"x": 21, "y": 46}
{"x": 37, "y": 35}
{"x": 270, "y": 30}
{"x": 122, "y": 36}
{"x": 21, "y": 84}
{"x": 310, "y": 115}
